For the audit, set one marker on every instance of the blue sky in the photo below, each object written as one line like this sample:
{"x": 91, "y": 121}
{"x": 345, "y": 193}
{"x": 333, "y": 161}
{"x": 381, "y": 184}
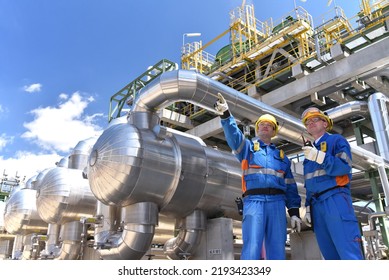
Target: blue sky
{"x": 62, "y": 60}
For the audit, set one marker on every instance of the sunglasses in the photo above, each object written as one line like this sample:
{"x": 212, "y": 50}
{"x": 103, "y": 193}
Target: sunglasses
{"x": 312, "y": 120}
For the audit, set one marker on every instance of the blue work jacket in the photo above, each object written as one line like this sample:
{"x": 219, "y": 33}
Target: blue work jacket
{"x": 335, "y": 169}
{"x": 263, "y": 166}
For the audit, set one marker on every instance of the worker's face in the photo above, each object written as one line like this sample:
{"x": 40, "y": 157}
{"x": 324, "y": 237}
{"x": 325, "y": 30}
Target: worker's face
{"x": 265, "y": 129}
{"x": 316, "y": 126}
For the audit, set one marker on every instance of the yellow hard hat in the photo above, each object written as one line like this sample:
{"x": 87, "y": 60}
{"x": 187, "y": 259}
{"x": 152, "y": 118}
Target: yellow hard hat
{"x": 267, "y": 118}
{"x": 312, "y": 112}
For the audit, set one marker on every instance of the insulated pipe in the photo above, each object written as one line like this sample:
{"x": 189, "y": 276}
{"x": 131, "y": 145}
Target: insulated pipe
{"x": 184, "y": 85}
{"x": 379, "y": 116}
{"x": 27, "y": 246}
{"x": 385, "y": 183}
{"x": 52, "y": 242}
{"x": 17, "y": 247}
{"x": 188, "y": 238}
{"x": 349, "y": 109}
{"x": 108, "y": 222}
{"x": 139, "y": 222}
{"x": 190, "y": 86}
{"x": 71, "y": 241}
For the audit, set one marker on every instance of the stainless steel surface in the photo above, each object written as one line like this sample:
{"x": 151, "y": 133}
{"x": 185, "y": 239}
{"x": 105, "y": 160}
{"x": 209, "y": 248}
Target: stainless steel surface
{"x": 21, "y": 215}
{"x": 378, "y": 106}
{"x": 175, "y": 171}
{"x": 70, "y": 237}
{"x": 64, "y": 196}
{"x": 138, "y": 221}
{"x": 193, "y": 87}
{"x": 190, "y": 230}
{"x": 78, "y": 159}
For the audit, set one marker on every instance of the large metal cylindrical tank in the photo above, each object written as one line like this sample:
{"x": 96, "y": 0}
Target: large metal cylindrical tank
{"x": 64, "y": 196}
{"x": 21, "y": 215}
{"x": 176, "y": 171}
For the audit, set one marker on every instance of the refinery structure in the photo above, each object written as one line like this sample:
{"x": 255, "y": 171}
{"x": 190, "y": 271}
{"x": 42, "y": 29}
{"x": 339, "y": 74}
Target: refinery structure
{"x": 160, "y": 182}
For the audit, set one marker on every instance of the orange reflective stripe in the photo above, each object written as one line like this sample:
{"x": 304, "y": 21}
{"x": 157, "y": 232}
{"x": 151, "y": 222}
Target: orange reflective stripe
{"x": 244, "y": 166}
{"x": 254, "y": 166}
{"x": 342, "y": 180}
{"x": 243, "y": 185}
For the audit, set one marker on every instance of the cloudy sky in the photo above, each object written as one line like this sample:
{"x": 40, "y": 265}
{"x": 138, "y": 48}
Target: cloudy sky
{"x": 61, "y": 61}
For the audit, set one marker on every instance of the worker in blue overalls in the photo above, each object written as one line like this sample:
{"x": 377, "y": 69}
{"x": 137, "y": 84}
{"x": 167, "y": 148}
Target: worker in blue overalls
{"x": 268, "y": 187}
{"x": 327, "y": 173}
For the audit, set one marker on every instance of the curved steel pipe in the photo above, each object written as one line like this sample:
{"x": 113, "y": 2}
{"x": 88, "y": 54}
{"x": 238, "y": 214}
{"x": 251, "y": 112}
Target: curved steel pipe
{"x": 349, "y": 109}
{"x": 139, "y": 222}
{"x": 184, "y": 85}
{"x": 190, "y": 86}
{"x": 188, "y": 238}
{"x": 70, "y": 235}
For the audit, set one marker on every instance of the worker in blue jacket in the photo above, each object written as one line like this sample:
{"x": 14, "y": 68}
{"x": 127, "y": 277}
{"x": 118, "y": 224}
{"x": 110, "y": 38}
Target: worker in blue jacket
{"x": 268, "y": 187}
{"x": 327, "y": 173}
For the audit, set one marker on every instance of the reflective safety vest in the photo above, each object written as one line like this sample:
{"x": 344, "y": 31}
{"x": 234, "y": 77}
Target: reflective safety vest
{"x": 335, "y": 169}
{"x": 274, "y": 168}
{"x": 263, "y": 166}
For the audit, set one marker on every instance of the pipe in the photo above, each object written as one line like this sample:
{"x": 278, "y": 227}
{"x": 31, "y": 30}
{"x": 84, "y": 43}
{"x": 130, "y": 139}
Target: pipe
{"x": 384, "y": 182}
{"x": 27, "y": 247}
{"x": 139, "y": 221}
{"x": 52, "y": 243}
{"x": 108, "y": 217}
{"x": 70, "y": 236}
{"x": 349, "y": 109}
{"x": 190, "y": 86}
{"x": 188, "y": 238}
{"x": 372, "y": 216}
{"x": 380, "y": 119}
{"x": 17, "y": 247}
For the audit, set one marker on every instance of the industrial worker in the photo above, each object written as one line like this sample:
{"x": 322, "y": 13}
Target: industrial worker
{"x": 327, "y": 173}
{"x": 268, "y": 187}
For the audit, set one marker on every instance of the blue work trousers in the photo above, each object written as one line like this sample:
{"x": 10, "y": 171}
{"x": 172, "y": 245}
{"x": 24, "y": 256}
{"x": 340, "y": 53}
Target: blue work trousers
{"x": 264, "y": 221}
{"x": 336, "y": 227}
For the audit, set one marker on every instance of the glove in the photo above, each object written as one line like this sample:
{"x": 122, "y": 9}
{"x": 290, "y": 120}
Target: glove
{"x": 295, "y": 223}
{"x": 311, "y": 153}
{"x": 307, "y": 217}
{"x": 221, "y": 105}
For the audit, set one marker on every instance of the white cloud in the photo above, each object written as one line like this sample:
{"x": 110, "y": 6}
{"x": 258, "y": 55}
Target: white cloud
{"x": 59, "y": 129}
{"x": 4, "y": 140}
{"x": 33, "y": 88}
{"x": 63, "y": 96}
{"x": 26, "y": 164}
{"x": 3, "y": 112}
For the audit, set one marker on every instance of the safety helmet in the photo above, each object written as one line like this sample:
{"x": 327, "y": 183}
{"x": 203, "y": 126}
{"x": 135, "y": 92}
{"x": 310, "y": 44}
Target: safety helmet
{"x": 267, "y": 118}
{"x": 312, "y": 112}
